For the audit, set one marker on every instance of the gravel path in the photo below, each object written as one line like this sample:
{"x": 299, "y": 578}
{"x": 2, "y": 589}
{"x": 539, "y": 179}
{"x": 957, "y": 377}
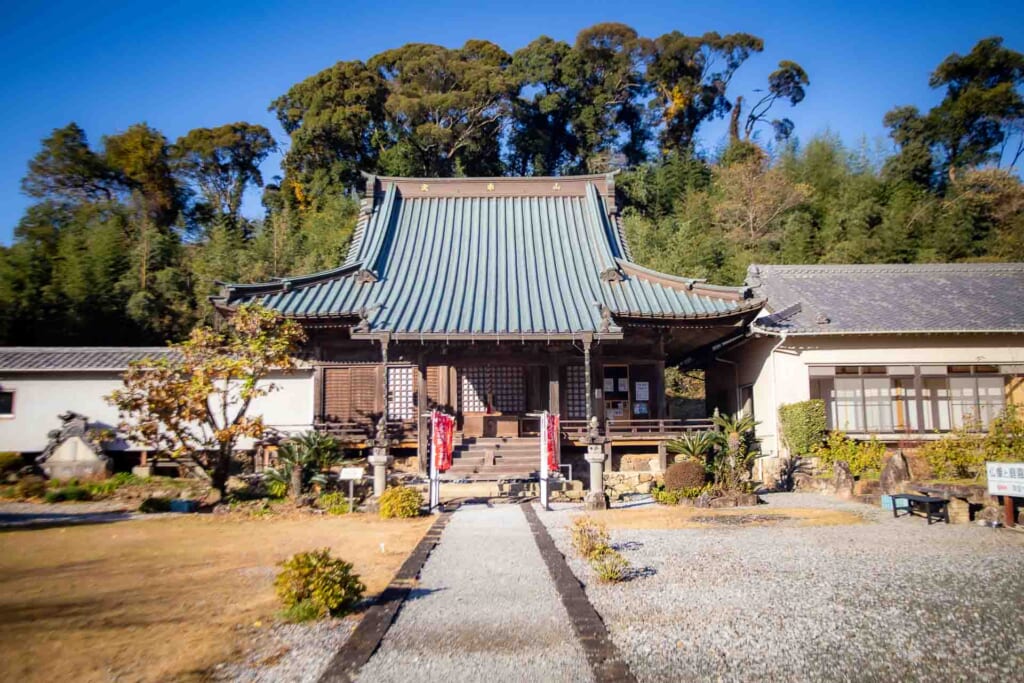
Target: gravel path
{"x": 290, "y": 653}
{"x": 883, "y": 600}
{"x": 485, "y": 609}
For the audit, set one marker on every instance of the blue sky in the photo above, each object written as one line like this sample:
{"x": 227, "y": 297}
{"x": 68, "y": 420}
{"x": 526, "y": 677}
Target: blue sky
{"x": 188, "y": 64}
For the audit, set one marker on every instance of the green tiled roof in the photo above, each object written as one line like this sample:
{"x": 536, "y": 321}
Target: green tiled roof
{"x": 502, "y": 256}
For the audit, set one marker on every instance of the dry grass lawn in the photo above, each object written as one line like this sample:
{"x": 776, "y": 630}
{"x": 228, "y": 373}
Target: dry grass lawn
{"x": 682, "y": 517}
{"x": 168, "y": 598}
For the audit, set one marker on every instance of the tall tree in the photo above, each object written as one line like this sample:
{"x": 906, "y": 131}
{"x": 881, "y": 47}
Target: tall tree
{"x": 542, "y": 141}
{"x": 142, "y": 157}
{"x": 982, "y": 107}
{"x": 690, "y": 76}
{"x": 786, "y": 83}
{"x": 335, "y": 119}
{"x": 446, "y": 108}
{"x": 606, "y": 66}
{"x": 222, "y": 162}
{"x": 66, "y": 169}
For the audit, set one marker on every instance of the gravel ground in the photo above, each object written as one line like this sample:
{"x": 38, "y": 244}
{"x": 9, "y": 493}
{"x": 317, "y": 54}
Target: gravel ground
{"x": 290, "y": 653}
{"x": 485, "y": 609}
{"x": 884, "y": 600}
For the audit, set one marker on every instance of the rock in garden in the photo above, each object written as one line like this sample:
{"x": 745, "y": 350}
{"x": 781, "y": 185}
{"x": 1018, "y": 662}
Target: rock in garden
{"x": 842, "y": 480}
{"x": 895, "y": 473}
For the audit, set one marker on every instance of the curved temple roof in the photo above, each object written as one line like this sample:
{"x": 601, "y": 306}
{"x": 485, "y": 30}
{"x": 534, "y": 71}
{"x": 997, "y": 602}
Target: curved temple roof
{"x": 492, "y": 256}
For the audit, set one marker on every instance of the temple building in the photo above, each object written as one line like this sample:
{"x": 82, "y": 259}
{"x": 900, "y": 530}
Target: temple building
{"x": 497, "y": 298}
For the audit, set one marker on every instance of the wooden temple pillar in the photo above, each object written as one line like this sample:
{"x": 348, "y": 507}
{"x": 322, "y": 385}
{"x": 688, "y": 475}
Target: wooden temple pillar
{"x": 422, "y": 408}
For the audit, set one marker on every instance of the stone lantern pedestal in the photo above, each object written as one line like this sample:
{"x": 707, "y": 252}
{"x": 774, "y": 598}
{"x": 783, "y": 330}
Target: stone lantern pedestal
{"x": 595, "y": 498}
{"x": 380, "y": 459}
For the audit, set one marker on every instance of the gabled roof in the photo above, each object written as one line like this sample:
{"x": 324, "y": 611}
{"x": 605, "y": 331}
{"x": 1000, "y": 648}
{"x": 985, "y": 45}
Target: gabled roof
{"x": 75, "y": 358}
{"x": 869, "y": 299}
{"x": 492, "y": 257}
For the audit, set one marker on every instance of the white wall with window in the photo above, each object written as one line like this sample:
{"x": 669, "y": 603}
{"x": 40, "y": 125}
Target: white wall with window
{"x": 880, "y": 399}
{"x": 891, "y": 385}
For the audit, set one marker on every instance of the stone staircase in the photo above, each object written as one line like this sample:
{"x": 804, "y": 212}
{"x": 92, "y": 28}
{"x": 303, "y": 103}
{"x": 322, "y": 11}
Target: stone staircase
{"x": 494, "y": 458}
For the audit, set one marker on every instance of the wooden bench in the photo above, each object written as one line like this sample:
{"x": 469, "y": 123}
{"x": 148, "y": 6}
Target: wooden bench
{"x": 935, "y": 509}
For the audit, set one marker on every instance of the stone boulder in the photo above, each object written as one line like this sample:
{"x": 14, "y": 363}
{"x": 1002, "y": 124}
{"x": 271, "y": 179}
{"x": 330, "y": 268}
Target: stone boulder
{"x": 895, "y": 473}
{"x": 842, "y": 480}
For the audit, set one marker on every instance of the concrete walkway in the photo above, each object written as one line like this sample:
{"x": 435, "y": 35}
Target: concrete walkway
{"x": 485, "y": 609}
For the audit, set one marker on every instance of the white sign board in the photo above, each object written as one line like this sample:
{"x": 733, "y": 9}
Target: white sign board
{"x": 351, "y": 473}
{"x": 1005, "y": 478}
{"x": 643, "y": 391}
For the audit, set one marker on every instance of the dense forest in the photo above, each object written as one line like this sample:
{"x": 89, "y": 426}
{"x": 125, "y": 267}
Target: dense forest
{"x": 127, "y": 237}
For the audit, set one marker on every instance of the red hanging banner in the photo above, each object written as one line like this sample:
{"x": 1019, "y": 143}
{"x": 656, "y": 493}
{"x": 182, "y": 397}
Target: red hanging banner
{"x": 442, "y": 429}
{"x": 552, "y": 443}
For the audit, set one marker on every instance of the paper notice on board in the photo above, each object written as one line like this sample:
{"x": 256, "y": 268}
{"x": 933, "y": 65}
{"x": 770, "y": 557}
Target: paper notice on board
{"x": 609, "y": 384}
{"x": 623, "y": 385}
{"x": 643, "y": 391}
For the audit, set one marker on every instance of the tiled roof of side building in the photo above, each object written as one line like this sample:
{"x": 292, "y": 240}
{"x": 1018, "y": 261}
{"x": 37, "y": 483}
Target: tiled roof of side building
{"x": 897, "y": 298}
{"x": 491, "y": 256}
{"x": 75, "y": 358}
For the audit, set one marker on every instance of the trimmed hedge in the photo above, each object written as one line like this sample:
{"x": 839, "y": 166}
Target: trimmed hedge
{"x": 803, "y": 426}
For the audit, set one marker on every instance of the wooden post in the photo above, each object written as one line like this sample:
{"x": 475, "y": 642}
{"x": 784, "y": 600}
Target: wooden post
{"x": 589, "y": 382}
{"x": 554, "y": 400}
{"x": 421, "y": 411}
{"x": 1009, "y": 517}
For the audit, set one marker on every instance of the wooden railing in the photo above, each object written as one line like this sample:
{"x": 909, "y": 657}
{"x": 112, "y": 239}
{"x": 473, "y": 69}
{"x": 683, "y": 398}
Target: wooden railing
{"x": 363, "y": 432}
{"x": 577, "y": 430}
{"x": 653, "y": 429}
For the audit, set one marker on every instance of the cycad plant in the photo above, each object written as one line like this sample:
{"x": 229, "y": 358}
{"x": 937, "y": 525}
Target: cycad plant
{"x": 303, "y": 460}
{"x": 735, "y": 451}
{"x": 692, "y": 446}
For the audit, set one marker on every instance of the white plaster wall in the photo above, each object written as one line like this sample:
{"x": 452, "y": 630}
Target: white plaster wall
{"x": 791, "y": 379}
{"x": 40, "y": 397}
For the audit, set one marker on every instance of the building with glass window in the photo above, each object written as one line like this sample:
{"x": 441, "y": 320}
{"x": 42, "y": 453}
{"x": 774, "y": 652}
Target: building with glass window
{"x": 901, "y": 352}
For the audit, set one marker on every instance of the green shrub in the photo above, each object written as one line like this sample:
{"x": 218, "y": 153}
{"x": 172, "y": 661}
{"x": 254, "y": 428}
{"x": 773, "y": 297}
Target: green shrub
{"x": 106, "y": 487}
{"x": 610, "y": 565}
{"x": 666, "y": 497}
{"x": 400, "y": 501}
{"x": 588, "y": 536}
{"x": 71, "y": 492}
{"x": 30, "y": 486}
{"x": 803, "y": 426}
{"x": 10, "y": 462}
{"x": 155, "y": 504}
{"x": 962, "y": 454}
{"x": 862, "y": 456}
{"x": 314, "y": 585}
{"x": 333, "y": 503}
{"x": 685, "y": 475}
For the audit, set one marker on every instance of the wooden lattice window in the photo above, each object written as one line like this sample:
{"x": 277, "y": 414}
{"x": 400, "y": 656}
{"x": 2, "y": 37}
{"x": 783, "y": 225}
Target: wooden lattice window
{"x": 401, "y": 393}
{"x": 504, "y": 385}
{"x": 576, "y": 392}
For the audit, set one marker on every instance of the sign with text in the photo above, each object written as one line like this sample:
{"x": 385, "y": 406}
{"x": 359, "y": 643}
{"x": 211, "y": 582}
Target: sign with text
{"x": 1005, "y": 478}
{"x": 351, "y": 473}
